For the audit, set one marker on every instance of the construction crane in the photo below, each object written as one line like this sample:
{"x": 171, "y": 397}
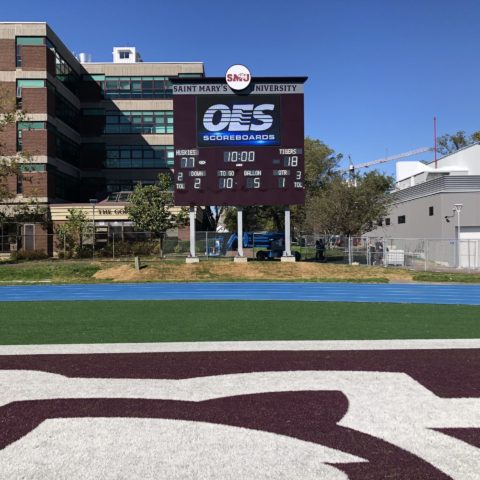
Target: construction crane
{"x": 353, "y": 168}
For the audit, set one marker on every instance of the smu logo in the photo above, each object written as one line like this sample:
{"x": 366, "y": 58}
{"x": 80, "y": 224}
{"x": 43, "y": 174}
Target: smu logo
{"x": 240, "y": 118}
{"x": 238, "y": 77}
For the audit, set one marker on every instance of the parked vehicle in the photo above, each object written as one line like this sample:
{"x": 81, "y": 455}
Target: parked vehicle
{"x": 271, "y": 244}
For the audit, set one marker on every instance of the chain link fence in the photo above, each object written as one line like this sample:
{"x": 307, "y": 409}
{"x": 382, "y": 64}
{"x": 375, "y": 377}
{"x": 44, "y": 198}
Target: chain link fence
{"x": 412, "y": 253}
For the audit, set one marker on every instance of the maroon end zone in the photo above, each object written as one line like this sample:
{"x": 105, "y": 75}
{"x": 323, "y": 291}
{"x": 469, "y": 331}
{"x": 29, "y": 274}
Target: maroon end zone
{"x": 312, "y": 416}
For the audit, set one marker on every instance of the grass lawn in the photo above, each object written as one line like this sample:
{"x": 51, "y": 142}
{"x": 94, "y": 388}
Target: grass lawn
{"x": 446, "y": 277}
{"x": 213, "y": 270}
{"x": 86, "y": 271}
{"x": 48, "y": 270}
{"x": 168, "y": 321}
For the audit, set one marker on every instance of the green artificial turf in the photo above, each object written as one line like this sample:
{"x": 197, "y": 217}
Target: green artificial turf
{"x": 169, "y": 321}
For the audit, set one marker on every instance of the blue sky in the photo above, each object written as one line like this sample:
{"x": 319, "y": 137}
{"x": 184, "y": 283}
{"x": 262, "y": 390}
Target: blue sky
{"x": 379, "y": 70}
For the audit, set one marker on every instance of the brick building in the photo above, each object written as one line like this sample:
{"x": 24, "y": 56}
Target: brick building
{"x": 91, "y": 129}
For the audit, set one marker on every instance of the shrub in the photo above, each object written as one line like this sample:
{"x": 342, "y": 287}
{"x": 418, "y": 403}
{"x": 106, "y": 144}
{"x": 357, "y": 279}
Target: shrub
{"x": 29, "y": 255}
{"x": 144, "y": 248}
{"x": 124, "y": 249}
{"x": 182, "y": 247}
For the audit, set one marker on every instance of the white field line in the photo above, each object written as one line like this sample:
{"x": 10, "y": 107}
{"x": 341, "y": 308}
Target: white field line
{"x": 240, "y": 346}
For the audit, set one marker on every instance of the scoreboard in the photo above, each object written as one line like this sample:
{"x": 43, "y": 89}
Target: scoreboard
{"x": 238, "y": 148}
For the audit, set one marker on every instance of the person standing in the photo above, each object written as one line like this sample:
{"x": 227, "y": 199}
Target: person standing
{"x": 319, "y": 250}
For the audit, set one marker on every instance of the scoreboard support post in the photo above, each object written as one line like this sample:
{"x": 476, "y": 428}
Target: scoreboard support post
{"x": 287, "y": 254}
{"x": 240, "y": 231}
{"x": 240, "y": 258}
{"x": 192, "y": 258}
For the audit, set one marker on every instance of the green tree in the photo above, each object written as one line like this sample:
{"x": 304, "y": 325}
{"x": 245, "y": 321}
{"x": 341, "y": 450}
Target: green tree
{"x": 30, "y": 212}
{"x": 332, "y": 206}
{"x": 9, "y": 164}
{"x": 256, "y": 218}
{"x": 214, "y": 214}
{"x": 447, "y": 143}
{"x": 151, "y": 208}
{"x": 71, "y": 234}
{"x": 341, "y": 208}
{"x": 320, "y": 164}
{"x": 475, "y": 137}
{"x": 20, "y": 213}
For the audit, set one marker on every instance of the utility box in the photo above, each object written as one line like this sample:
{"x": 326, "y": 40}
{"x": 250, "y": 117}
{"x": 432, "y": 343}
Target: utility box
{"x": 395, "y": 258}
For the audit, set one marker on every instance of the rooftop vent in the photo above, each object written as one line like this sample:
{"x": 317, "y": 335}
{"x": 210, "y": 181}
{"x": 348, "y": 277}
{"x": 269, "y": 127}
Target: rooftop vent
{"x": 85, "y": 57}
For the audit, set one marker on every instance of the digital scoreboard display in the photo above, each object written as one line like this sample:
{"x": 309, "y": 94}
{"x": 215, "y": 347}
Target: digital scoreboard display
{"x": 239, "y": 148}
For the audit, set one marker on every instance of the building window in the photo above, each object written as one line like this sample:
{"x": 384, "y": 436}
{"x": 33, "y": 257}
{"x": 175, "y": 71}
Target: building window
{"x": 18, "y": 56}
{"x": 137, "y": 87}
{"x": 19, "y": 184}
{"x": 401, "y": 219}
{"x": 66, "y": 112}
{"x": 141, "y": 156}
{"x": 29, "y": 84}
{"x": 66, "y": 187}
{"x": 124, "y": 54}
{"x": 126, "y": 185}
{"x": 190, "y": 75}
{"x": 33, "y": 167}
{"x": 26, "y": 41}
{"x": 21, "y": 84}
{"x": 160, "y": 121}
{"x": 93, "y": 112}
{"x": 430, "y": 211}
{"x": 387, "y": 221}
{"x": 27, "y": 126}
{"x": 30, "y": 40}
{"x": 63, "y": 71}
{"x": 66, "y": 150}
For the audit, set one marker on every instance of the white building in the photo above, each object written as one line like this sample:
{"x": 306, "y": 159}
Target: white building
{"x": 438, "y": 202}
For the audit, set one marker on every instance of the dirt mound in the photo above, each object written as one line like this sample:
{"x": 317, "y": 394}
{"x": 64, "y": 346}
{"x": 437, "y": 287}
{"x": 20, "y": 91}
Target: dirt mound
{"x": 225, "y": 271}
{"x": 124, "y": 273}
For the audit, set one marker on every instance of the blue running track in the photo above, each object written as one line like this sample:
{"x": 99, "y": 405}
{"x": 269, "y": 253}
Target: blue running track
{"x": 316, "y": 292}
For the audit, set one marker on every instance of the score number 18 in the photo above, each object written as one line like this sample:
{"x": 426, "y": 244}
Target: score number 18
{"x": 290, "y": 161}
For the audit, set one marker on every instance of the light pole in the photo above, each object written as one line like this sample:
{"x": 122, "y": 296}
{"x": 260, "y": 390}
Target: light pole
{"x": 93, "y": 202}
{"x": 457, "y": 208}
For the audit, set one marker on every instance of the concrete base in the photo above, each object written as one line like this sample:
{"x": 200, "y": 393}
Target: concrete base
{"x": 240, "y": 259}
{"x": 192, "y": 260}
{"x": 288, "y": 259}
{"x": 137, "y": 263}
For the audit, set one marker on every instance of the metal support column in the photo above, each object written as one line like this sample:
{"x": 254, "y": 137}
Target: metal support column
{"x": 240, "y": 231}
{"x": 192, "y": 258}
{"x": 287, "y": 254}
{"x": 240, "y": 258}
{"x": 288, "y": 246}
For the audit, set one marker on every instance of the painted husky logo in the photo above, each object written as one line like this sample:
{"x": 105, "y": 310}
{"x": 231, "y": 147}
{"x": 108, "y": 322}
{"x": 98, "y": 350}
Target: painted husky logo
{"x": 363, "y": 424}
